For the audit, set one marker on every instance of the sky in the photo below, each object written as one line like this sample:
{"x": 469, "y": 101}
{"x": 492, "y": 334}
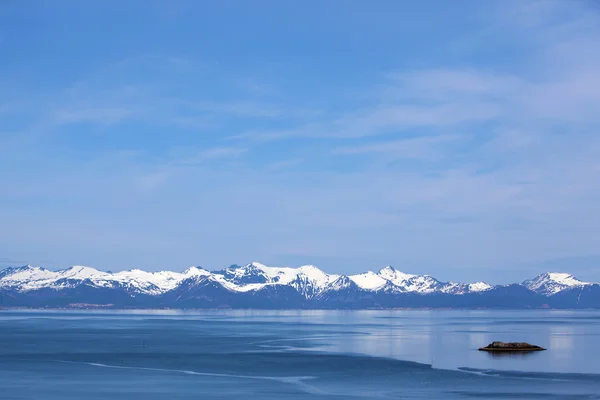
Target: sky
{"x": 459, "y": 139}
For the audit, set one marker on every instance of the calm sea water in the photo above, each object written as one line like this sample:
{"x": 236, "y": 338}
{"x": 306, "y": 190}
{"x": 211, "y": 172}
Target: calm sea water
{"x": 296, "y": 355}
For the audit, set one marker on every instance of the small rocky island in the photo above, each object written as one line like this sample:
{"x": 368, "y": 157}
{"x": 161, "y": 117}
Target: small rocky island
{"x": 511, "y": 346}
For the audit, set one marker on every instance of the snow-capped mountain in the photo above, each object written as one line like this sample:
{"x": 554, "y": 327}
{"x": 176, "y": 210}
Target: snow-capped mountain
{"x": 391, "y": 279}
{"x": 28, "y": 278}
{"x": 553, "y": 282}
{"x": 308, "y": 279}
{"x": 259, "y": 286}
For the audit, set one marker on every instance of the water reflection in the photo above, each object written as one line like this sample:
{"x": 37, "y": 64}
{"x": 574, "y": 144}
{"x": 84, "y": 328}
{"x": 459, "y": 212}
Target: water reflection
{"x": 478, "y": 339}
{"x": 561, "y": 338}
{"x": 515, "y": 355}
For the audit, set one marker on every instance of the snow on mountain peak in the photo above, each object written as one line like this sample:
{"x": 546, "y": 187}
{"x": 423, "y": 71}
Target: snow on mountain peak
{"x": 25, "y": 268}
{"x": 29, "y": 278}
{"x": 307, "y": 279}
{"x": 270, "y": 274}
{"x": 411, "y": 283}
{"x": 258, "y": 265}
{"x": 340, "y": 282}
{"x": 81, "y": 272}
{"x": 149, "y": 282}
{"x": 479, "y": 287}
{"x": 396, "y": 277}
{"x": 23, "y": 275}
{"x": 318, "y": 279}
{"x": 195, "y": 271}
{"x": 310, "y": 267}
{"x": 368, "y": 280}
{"x": 564, "y": 278}
{"x": 550, "y": 283}
{"x": 313, "y": 273}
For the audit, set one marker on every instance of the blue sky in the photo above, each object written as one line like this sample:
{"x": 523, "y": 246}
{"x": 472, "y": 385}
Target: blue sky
{"x": 459, "y": 139}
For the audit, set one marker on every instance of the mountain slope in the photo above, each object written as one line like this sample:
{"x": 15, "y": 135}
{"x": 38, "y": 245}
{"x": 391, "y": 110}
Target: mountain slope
{"x": 580, "y": 296}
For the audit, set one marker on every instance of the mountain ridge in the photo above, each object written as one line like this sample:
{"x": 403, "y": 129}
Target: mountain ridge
{"x": 257, "y": 285}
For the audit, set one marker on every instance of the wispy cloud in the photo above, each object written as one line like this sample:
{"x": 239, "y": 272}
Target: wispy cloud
{"x": 211, "y": 154}
{"x": 242, "y": 109}
{"x": 410, "y": 148}
{"x": 195, "y": 122}
{"x": 383, "y": 119}
{"x": 284, "y": 164}
{"x": 446, "y": 84}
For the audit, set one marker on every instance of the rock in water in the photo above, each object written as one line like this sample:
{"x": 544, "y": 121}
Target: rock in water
{"x": 511, "y": 346}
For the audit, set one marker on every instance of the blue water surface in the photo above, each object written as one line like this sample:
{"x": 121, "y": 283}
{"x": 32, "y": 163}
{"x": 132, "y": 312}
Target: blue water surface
{"x": 296, "y": 355}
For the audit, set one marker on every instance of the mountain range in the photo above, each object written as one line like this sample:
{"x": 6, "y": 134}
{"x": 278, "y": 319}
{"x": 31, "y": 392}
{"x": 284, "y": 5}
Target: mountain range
{"x": 258, "y": 286}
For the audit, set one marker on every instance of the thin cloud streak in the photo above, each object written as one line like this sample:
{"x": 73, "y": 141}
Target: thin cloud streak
{"x": 212, "y": 154}
{"x": 413, "y": 148}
